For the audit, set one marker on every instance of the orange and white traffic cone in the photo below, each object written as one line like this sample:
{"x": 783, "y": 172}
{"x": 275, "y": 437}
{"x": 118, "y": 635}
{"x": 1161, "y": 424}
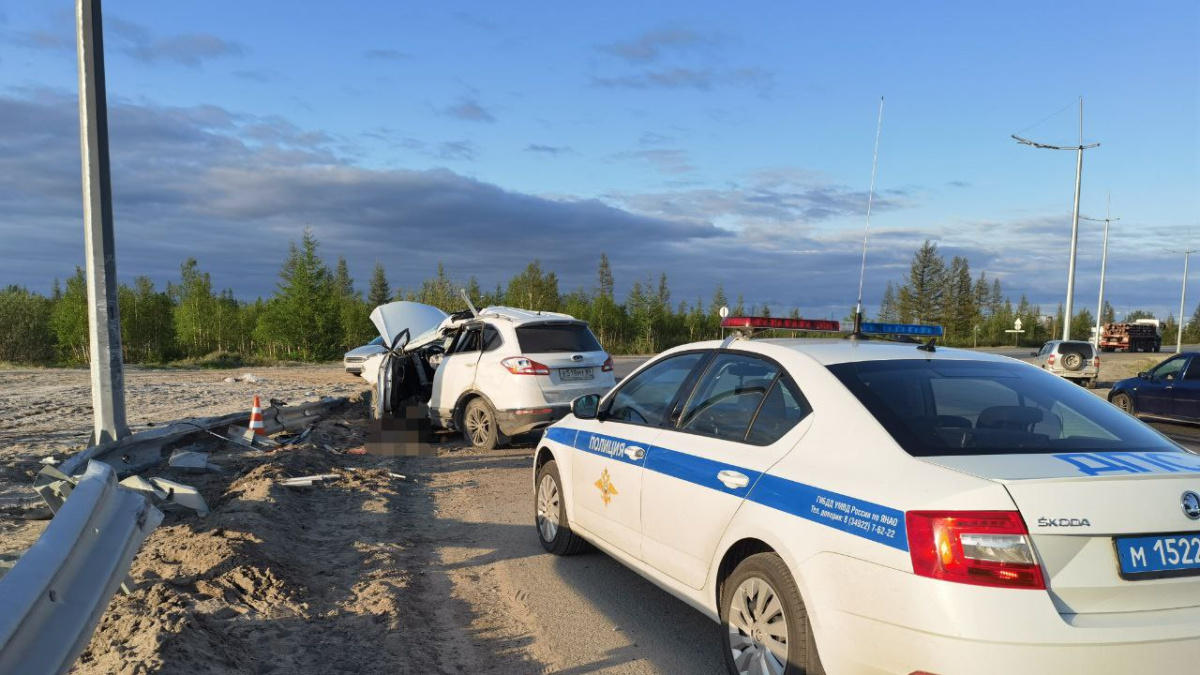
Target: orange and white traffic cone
{"x": 256, "y": 428}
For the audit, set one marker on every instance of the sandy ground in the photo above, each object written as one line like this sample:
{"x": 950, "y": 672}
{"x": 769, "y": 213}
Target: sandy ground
{"x": 400, "y": 565}
{"x": 437, "y": 571}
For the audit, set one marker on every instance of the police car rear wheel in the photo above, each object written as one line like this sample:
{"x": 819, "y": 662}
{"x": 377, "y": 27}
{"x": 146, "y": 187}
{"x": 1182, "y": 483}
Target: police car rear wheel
{"x": 554, "y": 532}
{"x": 764, "y": 622}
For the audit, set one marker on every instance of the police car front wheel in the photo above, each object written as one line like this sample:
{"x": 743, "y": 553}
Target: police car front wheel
{"x": 764, "y": 625}
{"x": 554, "y": 532}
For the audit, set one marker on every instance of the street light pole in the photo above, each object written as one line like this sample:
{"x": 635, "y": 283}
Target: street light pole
{"x": 1068, "y": 309}
{"x": 1103, "y": 264}
{"x": 1187, "y": 253}
{"x": 104, "y": 318}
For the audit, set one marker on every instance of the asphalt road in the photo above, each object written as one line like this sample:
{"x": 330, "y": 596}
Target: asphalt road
{"x": 566, "y": 615}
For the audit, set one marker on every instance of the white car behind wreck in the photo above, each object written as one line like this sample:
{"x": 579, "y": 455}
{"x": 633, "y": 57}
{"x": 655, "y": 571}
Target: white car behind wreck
{"x": 491, "y": 374}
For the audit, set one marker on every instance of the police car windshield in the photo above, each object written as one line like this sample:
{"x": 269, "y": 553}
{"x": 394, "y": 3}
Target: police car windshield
{"x": 943, "y": 407}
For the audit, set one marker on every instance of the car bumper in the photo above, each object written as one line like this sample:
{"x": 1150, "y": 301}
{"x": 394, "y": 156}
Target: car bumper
{"x": 525, "y": 420}
{"x": 871, "y": 619}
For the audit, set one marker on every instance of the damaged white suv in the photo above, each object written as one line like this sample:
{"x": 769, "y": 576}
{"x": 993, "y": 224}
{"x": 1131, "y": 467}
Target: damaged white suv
{"x": 491, "y": 374}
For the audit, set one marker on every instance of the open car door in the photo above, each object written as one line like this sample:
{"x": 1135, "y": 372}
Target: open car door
{"x": 405, "y": 327}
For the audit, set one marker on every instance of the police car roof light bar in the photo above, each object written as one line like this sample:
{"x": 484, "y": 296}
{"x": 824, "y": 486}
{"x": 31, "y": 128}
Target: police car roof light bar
{"x": 772, "y": 323}
{"x": 913, "y": 329}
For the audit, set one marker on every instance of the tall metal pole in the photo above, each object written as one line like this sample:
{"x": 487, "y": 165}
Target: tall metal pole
{"x": 1068, "y": 307}
{"x": 104, "y": 317}
{"x": 1108, "y": 219}
{"x": 1182, "y": 301}
{"x": 1068, "y": 315}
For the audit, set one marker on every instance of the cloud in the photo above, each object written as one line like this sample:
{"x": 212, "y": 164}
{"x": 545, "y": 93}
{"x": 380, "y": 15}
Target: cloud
{"x": 476, "y": 21}
{"x": 764, "y": 199}
{"x": 139, "y": 43}
{"x": 469, "y": 110}
{"x": 550, "y": 150}
{"x": 704, "y": 79}
{"x": 43, "y": 39}
{"x": 233, "y": 189}
{"x": 461, "y": 150}
{"x": 205, "y": 181}
{"x": 188, "y": 49}
{"x": 260, "y": 76}
{"x": 666, "y": 160}
{"x": 678, "y": 58}
{"x": 386, "y": 55}
{"x": 652, "y": 45}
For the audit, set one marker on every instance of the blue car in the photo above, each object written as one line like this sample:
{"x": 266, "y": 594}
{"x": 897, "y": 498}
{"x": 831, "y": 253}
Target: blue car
{"x": 1170, "y": 390}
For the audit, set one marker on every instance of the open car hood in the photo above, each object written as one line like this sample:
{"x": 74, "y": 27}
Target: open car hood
{"x": 421, "y": 321}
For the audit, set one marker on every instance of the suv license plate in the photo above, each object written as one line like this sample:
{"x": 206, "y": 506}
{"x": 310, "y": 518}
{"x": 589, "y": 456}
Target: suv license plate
{"x": 574, "y": 374}
{"x": 1159, "y": 556}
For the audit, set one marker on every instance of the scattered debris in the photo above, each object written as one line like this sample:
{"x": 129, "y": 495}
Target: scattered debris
{"x": 249, "y": 378}
{"x": 192, "y": 460}
{"x": 49, "y": 460}
{"x": 163, "y": 490}
{"x": 308, "y": 481}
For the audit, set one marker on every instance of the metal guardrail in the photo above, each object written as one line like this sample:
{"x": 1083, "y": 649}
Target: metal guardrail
{"x": 52, "y": 599}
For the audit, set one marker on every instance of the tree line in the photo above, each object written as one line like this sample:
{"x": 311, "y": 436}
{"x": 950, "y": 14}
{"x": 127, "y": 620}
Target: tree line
{"x": 975, "y": 310}
{"x": 316, "y": 312}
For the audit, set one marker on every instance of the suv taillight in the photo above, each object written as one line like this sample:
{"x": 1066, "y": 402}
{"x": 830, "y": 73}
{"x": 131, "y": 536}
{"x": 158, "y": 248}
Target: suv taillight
{"x": 984, "y": 548}
{"x": 1050, "y": 359}
{"x": 607, "y": 367}
{"x": 519, "y": 365}
{"x": 1096, "y": 362}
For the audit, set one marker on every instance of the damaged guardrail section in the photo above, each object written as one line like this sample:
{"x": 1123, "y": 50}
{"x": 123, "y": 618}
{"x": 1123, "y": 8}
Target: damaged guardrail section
{"x": 52, "y": 599}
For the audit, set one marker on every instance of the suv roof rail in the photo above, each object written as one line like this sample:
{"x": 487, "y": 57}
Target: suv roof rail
{"x": 517, "y": 314}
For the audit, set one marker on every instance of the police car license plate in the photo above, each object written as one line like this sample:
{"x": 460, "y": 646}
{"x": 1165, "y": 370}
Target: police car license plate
{"x": 574, "y": 374}
{"x": 1159, "y": 556}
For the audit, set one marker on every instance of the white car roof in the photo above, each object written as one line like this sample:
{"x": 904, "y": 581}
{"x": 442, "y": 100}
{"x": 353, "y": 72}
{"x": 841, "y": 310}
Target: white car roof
{"x": 522, "y": 316}
{"x": 841, "y": 350}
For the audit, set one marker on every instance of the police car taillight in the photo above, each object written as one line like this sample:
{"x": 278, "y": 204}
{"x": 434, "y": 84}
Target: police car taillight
{"x": 519, "y": 365}
{"x": 984, "y": 548}
{"x": 766, "y": 322}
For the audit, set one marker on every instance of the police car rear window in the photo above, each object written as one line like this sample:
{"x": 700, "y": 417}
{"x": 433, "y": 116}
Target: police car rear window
{"x": 944, "y": 407}
{"x": 561, "y": 337}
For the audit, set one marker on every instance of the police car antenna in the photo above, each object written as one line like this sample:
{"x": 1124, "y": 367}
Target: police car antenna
{"x": 862, "y": 272}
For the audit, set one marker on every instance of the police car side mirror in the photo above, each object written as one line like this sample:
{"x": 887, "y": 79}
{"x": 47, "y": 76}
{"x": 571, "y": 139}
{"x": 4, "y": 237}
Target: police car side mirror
{"x": 586, "y": 407}
{"x": 1143, "y": 375}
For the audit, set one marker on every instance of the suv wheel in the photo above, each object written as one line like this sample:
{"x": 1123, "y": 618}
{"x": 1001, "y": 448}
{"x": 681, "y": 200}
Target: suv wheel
{"x": 550, "y": 514}
{"x": 764, "y": 624}
{"x": 1072, "y": 361}
{"x": 480, "y": 429}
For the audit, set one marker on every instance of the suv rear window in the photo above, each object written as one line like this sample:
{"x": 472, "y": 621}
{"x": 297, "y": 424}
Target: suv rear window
{"x": 944, "y": 407}
{"x": 557, "y": 337}
{"x": 1083, "y": 349}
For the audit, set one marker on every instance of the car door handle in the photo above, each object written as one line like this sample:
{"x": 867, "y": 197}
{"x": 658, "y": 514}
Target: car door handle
{"x": 635, "y": 453}
{"x": 733, "y": 479}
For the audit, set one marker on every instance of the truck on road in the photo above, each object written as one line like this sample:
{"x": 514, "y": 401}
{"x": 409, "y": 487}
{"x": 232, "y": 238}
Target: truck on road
{"x": 1143, "y": 335}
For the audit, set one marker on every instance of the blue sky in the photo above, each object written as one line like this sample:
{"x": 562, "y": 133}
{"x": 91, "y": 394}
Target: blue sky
{"x": 719, "y": 144}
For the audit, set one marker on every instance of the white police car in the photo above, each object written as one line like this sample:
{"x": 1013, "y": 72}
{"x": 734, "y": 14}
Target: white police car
{"x": 859, "y": 506}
